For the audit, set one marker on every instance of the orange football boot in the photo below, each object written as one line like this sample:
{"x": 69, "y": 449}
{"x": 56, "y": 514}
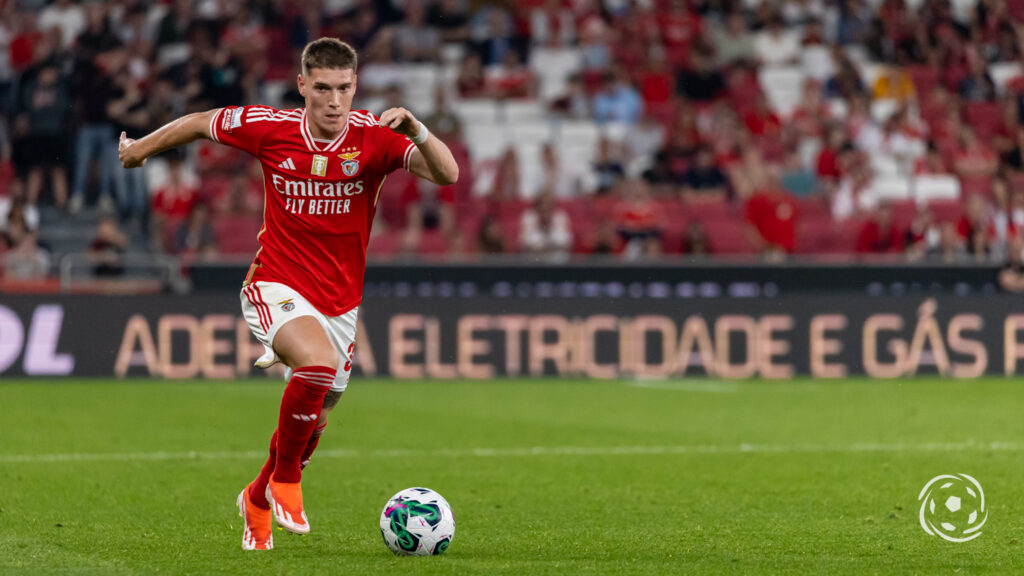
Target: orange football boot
{"x": 258, "y": 533}
{"x": 286, "y": 503}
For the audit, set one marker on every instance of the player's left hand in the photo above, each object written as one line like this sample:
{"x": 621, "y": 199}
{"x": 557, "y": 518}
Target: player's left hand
{"x": 401, "y": 121}
{"x": 125, "y": 153}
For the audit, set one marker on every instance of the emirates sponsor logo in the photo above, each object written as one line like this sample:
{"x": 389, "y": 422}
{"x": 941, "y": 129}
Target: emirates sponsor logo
{"x": 316, "y": 188}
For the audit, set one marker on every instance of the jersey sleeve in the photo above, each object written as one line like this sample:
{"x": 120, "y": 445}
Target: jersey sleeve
{"x": 242, "y": 127}
{"x": 396, "y": 149}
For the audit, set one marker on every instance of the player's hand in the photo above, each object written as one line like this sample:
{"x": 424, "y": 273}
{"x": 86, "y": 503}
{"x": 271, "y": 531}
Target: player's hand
{"x": 124, "y": 153}
{"x": 401, "y": 121}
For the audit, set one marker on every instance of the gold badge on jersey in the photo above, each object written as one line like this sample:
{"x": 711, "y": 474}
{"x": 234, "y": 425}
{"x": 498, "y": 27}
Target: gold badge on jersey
{"x": 319, "y": 167}
{"x": 349, "y": 165}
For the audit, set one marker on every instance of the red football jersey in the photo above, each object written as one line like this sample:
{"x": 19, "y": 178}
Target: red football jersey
{"x": 319, "y": 197}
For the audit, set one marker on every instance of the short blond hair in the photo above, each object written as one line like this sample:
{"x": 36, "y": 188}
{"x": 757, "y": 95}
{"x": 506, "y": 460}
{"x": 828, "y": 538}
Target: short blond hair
{"x": 329, "y": 53}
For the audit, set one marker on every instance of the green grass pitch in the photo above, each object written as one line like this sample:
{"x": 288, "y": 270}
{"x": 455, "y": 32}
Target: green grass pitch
{"x": 545, "y": 476}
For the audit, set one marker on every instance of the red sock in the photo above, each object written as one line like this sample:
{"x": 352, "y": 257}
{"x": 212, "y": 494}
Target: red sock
{"x": 300, "y": 409}
{"x": 258, "y": 488}
{"x": 311, "y": 445}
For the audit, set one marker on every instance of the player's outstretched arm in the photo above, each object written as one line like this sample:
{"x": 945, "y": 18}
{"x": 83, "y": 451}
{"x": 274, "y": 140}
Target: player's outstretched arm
{"x": 432, "y": 159}
{"x": 133, "y": 153}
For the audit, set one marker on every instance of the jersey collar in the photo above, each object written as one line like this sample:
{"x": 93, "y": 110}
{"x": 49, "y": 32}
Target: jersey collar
{"x": 313, "y": 145}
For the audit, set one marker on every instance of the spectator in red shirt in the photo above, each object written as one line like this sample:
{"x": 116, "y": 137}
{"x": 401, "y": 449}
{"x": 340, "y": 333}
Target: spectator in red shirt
{"x": 973, "y": 159}
{"x": 637, "y": 219}
{"x": 470, "y": 81}
{"x": 512, "y": 79}
{"x": 828, "y": 168}
{"x": 680, "y": 32}
{"x": 172, "y": 203}
{"x": 811, "y": 114}
{"x": 975, "y": 227}
{"x": 771, "y": 215}
{"x": 879, "y": 235}
{"x": 761, "y": 121}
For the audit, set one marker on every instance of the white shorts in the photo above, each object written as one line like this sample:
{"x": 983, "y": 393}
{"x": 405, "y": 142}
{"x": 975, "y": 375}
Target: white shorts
{"x": 267, "y": 306}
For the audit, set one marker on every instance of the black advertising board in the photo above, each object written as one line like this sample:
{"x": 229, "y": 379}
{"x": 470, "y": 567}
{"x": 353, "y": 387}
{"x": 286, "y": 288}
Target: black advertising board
{"x": 482, "y": 337}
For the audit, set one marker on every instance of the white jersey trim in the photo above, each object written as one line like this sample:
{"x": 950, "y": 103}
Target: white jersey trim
{"x": 407, "y": 157}
{"x": 307, "y": 136}
{"x": 213, "y": 125}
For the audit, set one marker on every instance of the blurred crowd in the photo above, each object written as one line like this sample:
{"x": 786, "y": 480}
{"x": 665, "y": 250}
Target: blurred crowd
{"x": 630, "y": 128}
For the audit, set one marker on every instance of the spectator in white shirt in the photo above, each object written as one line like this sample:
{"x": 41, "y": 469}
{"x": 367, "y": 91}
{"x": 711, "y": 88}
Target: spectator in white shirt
{"x": 544, "y": 229}
{"x": 775, "y": 45}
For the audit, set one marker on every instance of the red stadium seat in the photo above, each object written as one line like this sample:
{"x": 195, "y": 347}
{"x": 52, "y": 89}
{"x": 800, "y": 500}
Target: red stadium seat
{"x": 947, "y": 210}
{"x": 985, "y": 117}
{"x": 903, "y": 212}
{"x": 1015, "y": 180}
{"x": 705, "y": 212}
{"x": 386, "y": 244}
{"x": 814, "y": 208}
{"x": 925, "y": 79}
{"x": 432, "y": 242}
{"x": 728, "y": 236}
{"x": 237, "y": 234}
{"x": 815, "y": 236}
{"x": 971, "y": 186}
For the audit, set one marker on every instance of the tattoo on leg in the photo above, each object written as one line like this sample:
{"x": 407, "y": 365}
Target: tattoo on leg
{"x": 331, "y": 400}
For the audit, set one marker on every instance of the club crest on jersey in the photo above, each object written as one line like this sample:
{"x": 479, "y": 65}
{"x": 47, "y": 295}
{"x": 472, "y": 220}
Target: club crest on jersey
{"x": 319, "y": 167}
{"x": 287, "y": 305}
{"x": 349, "y": 164}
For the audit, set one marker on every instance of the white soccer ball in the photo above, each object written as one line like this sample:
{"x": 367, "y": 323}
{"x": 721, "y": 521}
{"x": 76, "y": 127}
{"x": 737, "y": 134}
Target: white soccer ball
{"x": 417, "y": 522}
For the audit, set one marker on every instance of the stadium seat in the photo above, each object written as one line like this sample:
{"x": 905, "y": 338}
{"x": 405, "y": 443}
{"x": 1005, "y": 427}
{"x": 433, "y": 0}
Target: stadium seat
{"x": 885, "y": 166}
{"x": 1002, "y": 73}
{"x": 386, "y": 244}
{"x": 237, "y": 234}
{"x": 816, "y": 62}
{"x": 925, "y": 79}
{"x": 882, "y": 108}
{"x": 728, "y": 236}
{"x": 936, "y": 187}
{"x": 903, "y": 212}
{"x": 891, "y": 188}
{"x": 1015, "y": 180}
{"x": 432, "y": 242}
{"x": 484, "y": 140}
{"x": 515, "y": 112}
{"x": 869, "y": 72}
{"x": 815, "y": 208}
{"x": 706, "y": 212}
{"x": 857, "y": 53}
{"x": 476, "y": 111}
{"x": 946, "y": 210}
{"x": 532, "y": 132}
{"x": 1016, "y": 9}
{"x": 816, "y": 236}
{"x": 838, "y": 108}
{"x": 984, "y": 117}
{"x": 783, "y": 86}
{"x": 971, "y": 186}
{"x": 577, "y": 131}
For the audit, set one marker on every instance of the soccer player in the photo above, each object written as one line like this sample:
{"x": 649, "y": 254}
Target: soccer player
{"x": 323, "y": 167}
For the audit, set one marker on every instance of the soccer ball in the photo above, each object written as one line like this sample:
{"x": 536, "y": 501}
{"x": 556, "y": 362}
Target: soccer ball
{"x": 417, "y": 522}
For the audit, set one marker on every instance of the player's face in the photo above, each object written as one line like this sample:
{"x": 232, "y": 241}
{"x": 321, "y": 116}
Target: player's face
{"x": 328, "y": 94}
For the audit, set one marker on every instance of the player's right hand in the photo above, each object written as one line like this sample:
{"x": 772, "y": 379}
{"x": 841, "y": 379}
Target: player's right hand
{"x": 124, "y": 153}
